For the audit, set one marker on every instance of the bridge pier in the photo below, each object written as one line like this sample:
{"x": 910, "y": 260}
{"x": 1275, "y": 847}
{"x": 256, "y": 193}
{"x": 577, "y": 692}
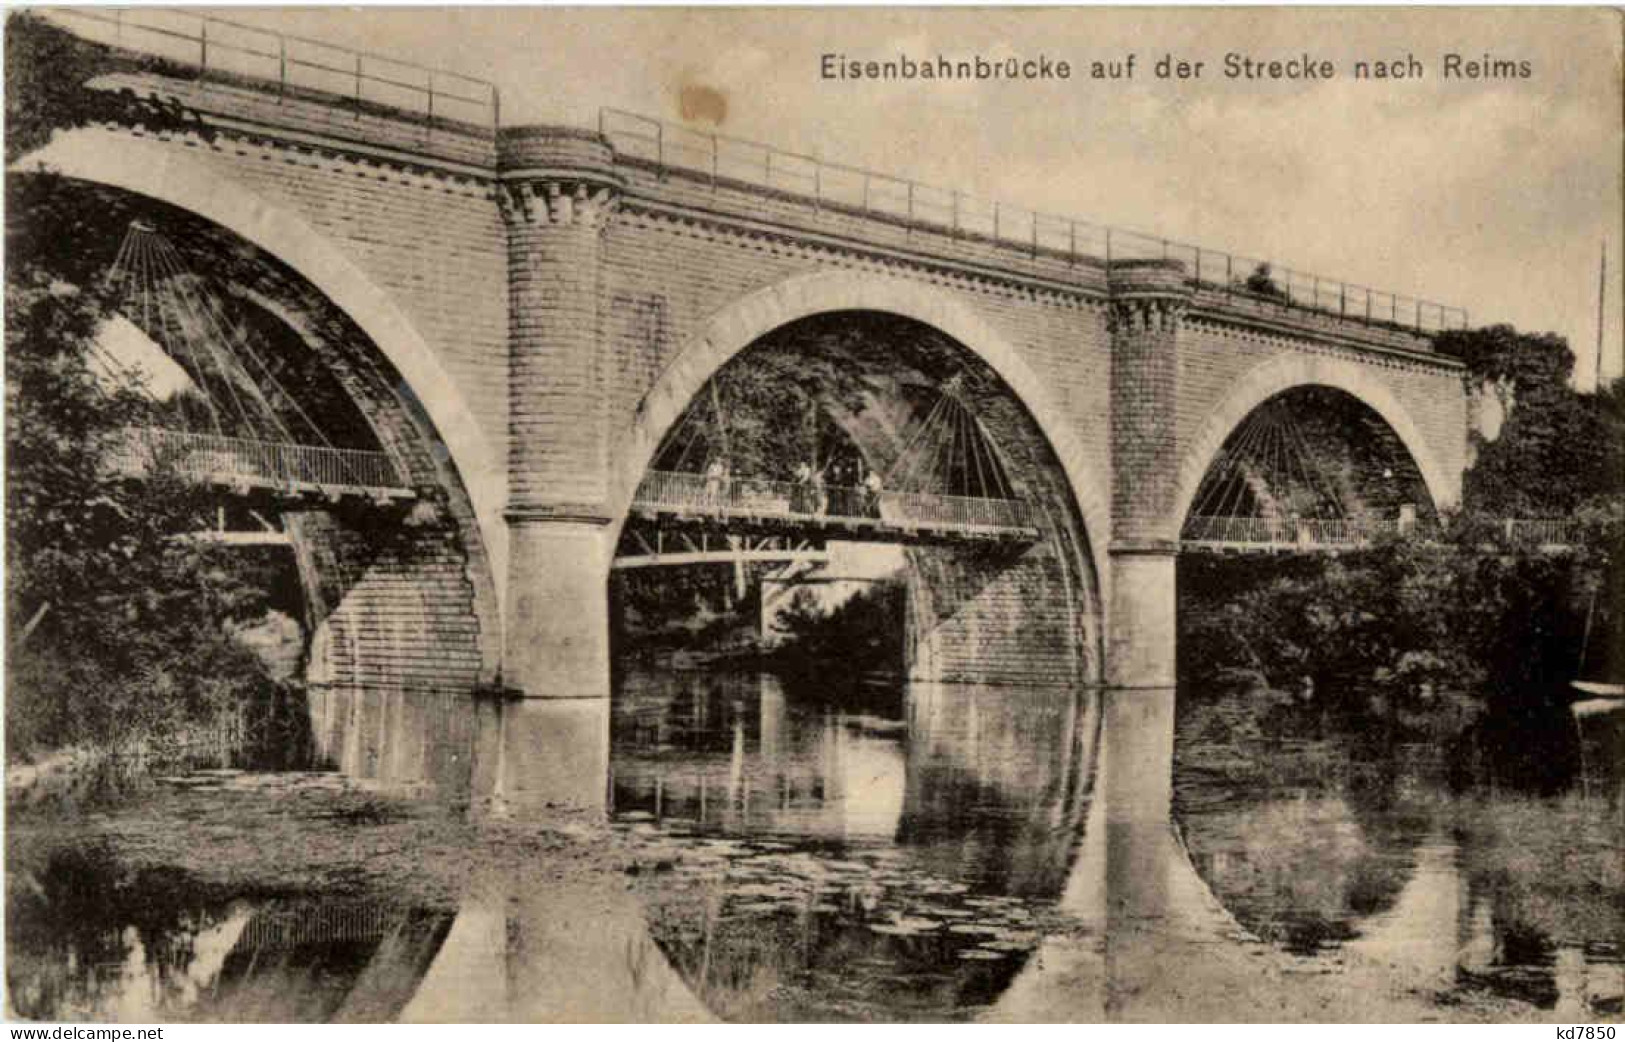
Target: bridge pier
{"x": 1149, "y": 301}
{"x": 1136, "y": 786}
{"x": 558, "y": 188}
{"x": 558, "y": 619}
{"x": 533, "y": 755}
{"x": 1141, "y": 640}
{"x": 1139, "y": 700}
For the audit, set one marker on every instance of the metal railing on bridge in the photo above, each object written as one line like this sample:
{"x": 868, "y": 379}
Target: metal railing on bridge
{"x": 220, "y": 47}
{"x": 901, "y": 516}
{"x": 224, "y": 48}
{"x": 1284, "y": 533}
{"x": 722, "y": 159}
{"x": 246, "y": 463}
{"x": 1541, "y": 531}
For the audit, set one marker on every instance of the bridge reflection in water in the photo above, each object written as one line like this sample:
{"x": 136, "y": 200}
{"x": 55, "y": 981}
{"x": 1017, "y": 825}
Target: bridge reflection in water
{"x": 818, "y": 842}
{"x": 961, "y": 852}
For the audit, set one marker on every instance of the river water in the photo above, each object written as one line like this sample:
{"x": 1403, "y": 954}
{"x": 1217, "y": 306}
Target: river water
{"x": 866, "y": 854}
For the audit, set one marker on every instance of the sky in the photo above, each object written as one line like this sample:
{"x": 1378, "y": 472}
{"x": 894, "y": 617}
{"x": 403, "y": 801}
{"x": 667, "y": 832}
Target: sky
{"x": 1494, "y": 194}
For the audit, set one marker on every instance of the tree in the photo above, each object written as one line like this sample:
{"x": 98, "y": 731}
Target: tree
{"x": 1558, "y": 448}
{"x": 48, "y": 72}
{"x": 1511, "y": 363}
{"x": 862, "y": 634}
{"x": 771, "y": 408}
{"x": 115, "y": 626}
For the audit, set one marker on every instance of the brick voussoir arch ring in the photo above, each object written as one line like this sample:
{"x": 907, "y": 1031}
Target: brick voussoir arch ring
{"x": 163, "y": 173}
{"x": 742, "y": 323}
{"x": 1270, "y": 378}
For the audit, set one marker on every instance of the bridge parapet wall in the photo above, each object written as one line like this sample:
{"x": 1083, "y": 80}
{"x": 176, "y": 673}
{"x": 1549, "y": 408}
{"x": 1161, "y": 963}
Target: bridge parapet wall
{"x": 248, "y": 106}
{"x": 878, "y": 234}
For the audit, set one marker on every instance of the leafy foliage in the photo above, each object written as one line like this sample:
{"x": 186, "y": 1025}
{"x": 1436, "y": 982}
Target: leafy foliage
{"x": 1558, "y": 448}
{"x": 115, "y": 626}
{"x": 1556, "y": 451}
{"x": 1430, "y": 633}
{"x": 1412, "y": 634}
{"x": 687, "y": 606}
{"x": 862, "y": 634}
{"x": 47, "y": 75}
{"x": 1524, "y": 363}
{"x": 771, "y": 410}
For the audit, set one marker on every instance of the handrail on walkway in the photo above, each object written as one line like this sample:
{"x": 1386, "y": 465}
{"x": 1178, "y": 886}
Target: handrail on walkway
{"x": 698, "y": 494}
{"x": 219, "y": 459}
{"x": 215, "y": 45}
{"x": 1356, "y": 531}
{"x": 721, "y": 158}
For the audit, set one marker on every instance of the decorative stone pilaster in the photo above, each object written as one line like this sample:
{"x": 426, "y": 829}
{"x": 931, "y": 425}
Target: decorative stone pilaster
{"x": 559, "y": 190}
{"x": 1148, "y": 302}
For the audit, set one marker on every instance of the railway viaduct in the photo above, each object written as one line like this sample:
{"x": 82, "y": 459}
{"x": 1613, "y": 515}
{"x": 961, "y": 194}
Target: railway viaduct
{"x": 522, "y": 312}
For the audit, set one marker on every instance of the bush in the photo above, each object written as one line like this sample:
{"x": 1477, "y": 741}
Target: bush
{"x": 861, "y": 635}
{"x": 117, "y": 629}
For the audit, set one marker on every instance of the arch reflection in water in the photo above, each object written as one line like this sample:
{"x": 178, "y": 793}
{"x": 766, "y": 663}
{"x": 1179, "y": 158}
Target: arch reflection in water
{"x": 870, "y": 855}
{"x": 729, "y": 751}
{"x": 92, "y": 941}
{"x": 998, "y": 779}
{"x": 1361, "y": 878}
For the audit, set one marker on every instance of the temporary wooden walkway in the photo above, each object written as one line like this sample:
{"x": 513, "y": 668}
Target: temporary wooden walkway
{"x": 244, "y": 464}
{"x": 798, "y": 509}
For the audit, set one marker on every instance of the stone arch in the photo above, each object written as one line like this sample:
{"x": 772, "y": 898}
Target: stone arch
{"x": 733, "y": 329}
{"x": 170, "y": 175}
{"x": 1286, "y": 372}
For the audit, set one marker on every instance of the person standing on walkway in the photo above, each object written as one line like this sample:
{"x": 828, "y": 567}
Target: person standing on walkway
{"x": 818, "y": 498}
{"x": 716, "y": 475}
{"x": 801, "y": 492}
{"x": 872, "y": 486}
